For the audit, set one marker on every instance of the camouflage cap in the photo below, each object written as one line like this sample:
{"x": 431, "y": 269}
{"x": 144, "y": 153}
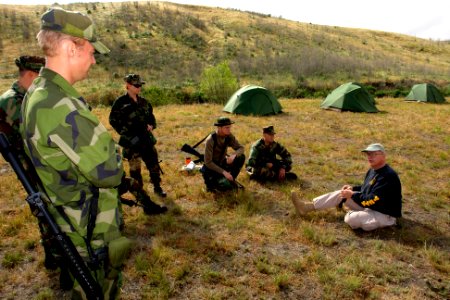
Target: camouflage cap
{"x": 269, "y": 130}
{"x": 133, "y": 79}
{"x": 31, "y": 63}
{"x": 72, "y": 23}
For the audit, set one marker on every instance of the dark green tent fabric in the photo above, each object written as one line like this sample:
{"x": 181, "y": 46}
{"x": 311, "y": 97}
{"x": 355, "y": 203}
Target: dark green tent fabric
{"x": 425, "y": 92}
{"x": 350, "y": 96}
{"x": 253, "y": 100}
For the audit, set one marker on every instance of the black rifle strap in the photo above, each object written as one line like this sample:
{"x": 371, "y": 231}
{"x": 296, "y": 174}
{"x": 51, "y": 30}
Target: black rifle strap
{"x": 201, "y": 141}
{"x": 90, "y": 227}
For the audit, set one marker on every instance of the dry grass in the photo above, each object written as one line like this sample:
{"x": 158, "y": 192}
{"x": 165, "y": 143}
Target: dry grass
{"x": 251, "y": 245}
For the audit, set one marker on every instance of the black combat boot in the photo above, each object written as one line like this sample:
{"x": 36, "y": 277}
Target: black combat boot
{"x": 159, "y": 191}
{"x": 155, "y": 178}
{"x": 150, "y": 207}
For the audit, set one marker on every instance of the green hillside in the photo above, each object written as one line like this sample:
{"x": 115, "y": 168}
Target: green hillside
{"x": 171, "y": 44}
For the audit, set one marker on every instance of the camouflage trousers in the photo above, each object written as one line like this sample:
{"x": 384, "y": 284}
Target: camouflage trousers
{"x": 265, "y": 173}
{"x": 108, "y": 246}
{"x": 149, "y": 156}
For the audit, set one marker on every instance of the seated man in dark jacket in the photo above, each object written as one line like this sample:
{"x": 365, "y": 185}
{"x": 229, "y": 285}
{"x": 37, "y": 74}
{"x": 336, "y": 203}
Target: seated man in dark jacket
{"x": 220, "y": 169}
{"x": 375, "y": 204}
{"x": 263, "y": 163}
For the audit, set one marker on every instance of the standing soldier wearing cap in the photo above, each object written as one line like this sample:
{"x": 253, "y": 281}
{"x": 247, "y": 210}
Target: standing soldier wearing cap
{"x": 74, "y": 155}
{"x": 10, "y": 105}
{"x": 375, "y": 204}
{"x": 132, "y": 117}
{"x": 263, "y": 163}
{"x": 220, "y": 169}
{"x": 11, "y": 100}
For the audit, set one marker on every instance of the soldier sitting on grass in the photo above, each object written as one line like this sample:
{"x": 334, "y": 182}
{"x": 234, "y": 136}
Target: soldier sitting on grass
{"x": 220, "y": 170}
{"x": 263, "y": 164}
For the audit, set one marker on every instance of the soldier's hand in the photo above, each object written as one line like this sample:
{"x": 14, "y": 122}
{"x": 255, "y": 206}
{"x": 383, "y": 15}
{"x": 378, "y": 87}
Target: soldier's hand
{"x": 230, "y": 159}
{"x": 228, "y": 176}
{"x": 347, "y": 193}
{"x": 149, "y": 128}
{"x": 282, "y": 174}
{"x": 347, "y": 187}
{"x": 269, "y": 165}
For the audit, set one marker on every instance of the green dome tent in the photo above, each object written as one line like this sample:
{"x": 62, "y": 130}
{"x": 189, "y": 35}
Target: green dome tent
{"x": 253, "y": 100}
{"x": 350, "y": 97}
{"x": 425, "y": 92}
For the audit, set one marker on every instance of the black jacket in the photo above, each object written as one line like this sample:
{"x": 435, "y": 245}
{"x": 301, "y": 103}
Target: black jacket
{"x": 381, "y": 191}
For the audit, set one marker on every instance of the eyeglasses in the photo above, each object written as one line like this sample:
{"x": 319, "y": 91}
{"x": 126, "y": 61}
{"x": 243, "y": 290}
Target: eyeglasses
{"x": 137, "y": 85}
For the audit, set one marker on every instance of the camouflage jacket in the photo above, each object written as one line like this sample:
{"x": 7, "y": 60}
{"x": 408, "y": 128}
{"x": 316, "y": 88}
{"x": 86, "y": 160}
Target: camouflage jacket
{"x": 261, "y": 154}
{"x": 75, "y": 158}
{"x": 130, "y": 119}
{"x": 10, "y": 103}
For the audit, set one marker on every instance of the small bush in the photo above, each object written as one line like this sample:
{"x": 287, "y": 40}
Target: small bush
{"x": 218, "y": 83}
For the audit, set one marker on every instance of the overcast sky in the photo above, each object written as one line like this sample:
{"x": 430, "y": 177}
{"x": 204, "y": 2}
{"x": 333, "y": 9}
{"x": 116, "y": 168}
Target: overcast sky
{"x": 425, "y": 19}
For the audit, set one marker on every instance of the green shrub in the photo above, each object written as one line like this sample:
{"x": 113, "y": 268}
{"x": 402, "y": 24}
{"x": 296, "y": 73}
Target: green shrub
{"x": 218, "y": 83}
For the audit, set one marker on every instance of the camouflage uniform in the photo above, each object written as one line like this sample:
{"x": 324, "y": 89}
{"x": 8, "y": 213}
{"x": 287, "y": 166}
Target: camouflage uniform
{"x": 77, "y": 161}
{"x": 130, "y": 119}
{"x": 10, "y": 103}
{"x": 261, "y": 155}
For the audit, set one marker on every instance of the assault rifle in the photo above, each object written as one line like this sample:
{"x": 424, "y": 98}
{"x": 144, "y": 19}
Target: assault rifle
{"x": 191, "y": 150}
{"x": 38, "y": 206}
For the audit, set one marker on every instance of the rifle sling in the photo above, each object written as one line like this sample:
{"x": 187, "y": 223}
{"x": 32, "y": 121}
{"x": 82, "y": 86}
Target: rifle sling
{"x": 201, "y": 141}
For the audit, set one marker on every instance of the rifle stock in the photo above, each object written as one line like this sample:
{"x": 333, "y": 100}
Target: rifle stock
{"x": 188, "y": 149}
{"x": 38, "y": 207}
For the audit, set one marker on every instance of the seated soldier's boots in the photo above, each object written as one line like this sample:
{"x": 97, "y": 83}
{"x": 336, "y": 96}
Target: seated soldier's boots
{"x": 159, "y": 191}
{"x": 291, "y": 176}
{"x": 302, "y": 208}
{"x": 211, "y": 189}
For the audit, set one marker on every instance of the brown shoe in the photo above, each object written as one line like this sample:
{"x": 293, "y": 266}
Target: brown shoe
{"x": 302, "y": 208}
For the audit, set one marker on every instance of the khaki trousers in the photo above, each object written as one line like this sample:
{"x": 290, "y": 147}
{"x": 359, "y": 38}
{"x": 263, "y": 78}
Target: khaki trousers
{"x": 358, "y": 216}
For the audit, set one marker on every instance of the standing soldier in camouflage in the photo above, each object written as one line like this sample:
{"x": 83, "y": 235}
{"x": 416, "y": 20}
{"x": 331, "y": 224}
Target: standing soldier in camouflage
{"x": 220, "y": 169}
{"x": 11, "y": 100}
{"x": 263, "y": 164}
{"x": 132, "y": 117}
{"x": 74, "y": 155}
{"x": 10, "y": 104}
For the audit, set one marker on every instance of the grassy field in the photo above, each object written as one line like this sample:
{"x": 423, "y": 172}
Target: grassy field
{"x": 251, "y": 245}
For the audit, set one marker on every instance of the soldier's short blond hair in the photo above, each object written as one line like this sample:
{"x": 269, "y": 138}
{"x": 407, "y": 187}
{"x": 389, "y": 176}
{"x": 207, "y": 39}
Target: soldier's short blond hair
{"x": 49, "y": 41}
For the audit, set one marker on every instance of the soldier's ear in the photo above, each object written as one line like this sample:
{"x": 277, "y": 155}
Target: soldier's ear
{"x": 68, "y": 47}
